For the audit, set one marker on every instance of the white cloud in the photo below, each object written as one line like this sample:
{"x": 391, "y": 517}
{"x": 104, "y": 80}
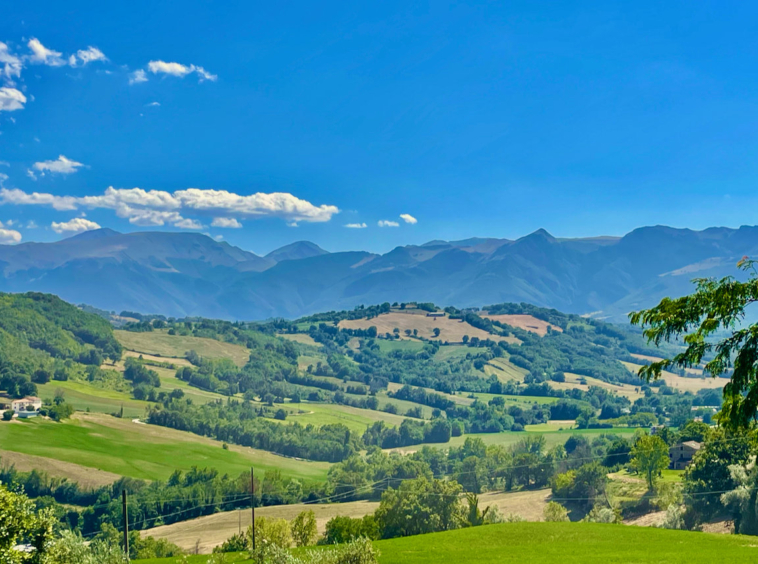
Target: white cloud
{"x": 61, "y": 165}
{"x": 228, "y": 222}
{"x": 408, "y": 218}
{"x": 356, "y": 225}
{"x": 9, "y": 236}
{"x": 3, "y": 178}
{"x": 174, "y": 69}
{"x": 137, "y": 76}
{"x": 179, "y": 70}
{"x": 85, "y": 56}
{"x": 11, "y": 99}
{"x": 386, "y": 223}
{"x": 32, "y": 224}
{"x": 157, "y": 207}
{"x": 19, "y": 197}
{"x": 189, "y": 224}
{"x": 153, "y": 105}
{"x": 76, "y": 225}
{"x": 148, "y": 218}
{"x": 11, "y": 64}
{"x": 44, "y": 56}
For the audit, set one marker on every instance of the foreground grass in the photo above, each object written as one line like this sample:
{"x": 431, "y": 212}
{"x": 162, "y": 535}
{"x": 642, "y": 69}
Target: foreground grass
{"x": 567, "y": 543}
{"x": 141, "y": 451}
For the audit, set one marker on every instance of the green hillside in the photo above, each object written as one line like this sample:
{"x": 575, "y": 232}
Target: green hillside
{"x": 567, "y": 543}
{"x": 43, "y": 338}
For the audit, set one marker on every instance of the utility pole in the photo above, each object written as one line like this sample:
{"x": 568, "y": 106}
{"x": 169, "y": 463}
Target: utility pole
{"x": 252, "y": 501}
{"x": 126, "y": 524}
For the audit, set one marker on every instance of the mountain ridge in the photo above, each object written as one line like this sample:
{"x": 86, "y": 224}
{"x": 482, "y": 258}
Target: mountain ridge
{"x": 186, "y": 274}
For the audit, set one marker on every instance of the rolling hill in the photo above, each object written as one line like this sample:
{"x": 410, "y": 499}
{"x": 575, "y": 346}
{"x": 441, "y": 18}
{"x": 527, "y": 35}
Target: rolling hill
{"x": 189, "y": 274}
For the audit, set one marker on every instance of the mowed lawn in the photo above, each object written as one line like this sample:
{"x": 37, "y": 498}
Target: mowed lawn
{"x": 160, "y": 343}
{"x": 142, "y": 451}
{"x": 565, "y": 543}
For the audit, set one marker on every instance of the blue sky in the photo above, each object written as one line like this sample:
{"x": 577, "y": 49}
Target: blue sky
{"x": 472, "y": 119}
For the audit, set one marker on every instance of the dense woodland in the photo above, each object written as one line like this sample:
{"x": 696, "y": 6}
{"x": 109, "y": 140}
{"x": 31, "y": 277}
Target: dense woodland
{"x": 43, "y": 338}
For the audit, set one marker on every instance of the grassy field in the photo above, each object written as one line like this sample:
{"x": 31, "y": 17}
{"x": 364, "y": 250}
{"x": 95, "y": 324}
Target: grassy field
{"x": 142, "y": 451}
{"x": 507, "y": 438}
{"x": 407, "y": 345}
{"x": 160, "y": 343}
{"x": 567, "y": 543}
{"x": 354, "y": 418}
{"x": 683, "y": 384}
{"x": 89, "y": 398}
{"x": 301, "y": 338}
{"x": 504, "y": 370}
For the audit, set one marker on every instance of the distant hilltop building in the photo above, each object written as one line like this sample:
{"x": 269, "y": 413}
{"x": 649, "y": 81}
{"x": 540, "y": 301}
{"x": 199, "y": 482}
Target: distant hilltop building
{"x": 681, "y": 454}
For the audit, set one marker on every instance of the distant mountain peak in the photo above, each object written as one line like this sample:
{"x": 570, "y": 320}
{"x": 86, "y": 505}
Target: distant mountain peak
{"x": 296, "y": 251}
{"x": 101, "y": 233}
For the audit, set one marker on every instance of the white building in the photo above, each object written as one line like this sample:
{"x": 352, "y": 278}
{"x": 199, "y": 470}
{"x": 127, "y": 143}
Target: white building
{"x": 20, "y": 405}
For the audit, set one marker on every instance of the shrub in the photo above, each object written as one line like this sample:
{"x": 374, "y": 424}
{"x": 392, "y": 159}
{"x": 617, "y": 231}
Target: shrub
{"x": 554, "y": 513}
{"x": 674, "y": 517}
{"x": 235, "y": 543}
{"x": 303, "y": 527}
{"x": 270, "y": 532}
{"x": 7, "y": 415}
{"x": 359, "y": 551}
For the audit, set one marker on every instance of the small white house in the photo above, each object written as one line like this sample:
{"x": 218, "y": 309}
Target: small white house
{"x": 22, "y": 405}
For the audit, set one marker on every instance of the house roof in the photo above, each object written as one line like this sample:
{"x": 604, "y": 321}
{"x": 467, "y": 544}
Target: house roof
{"x": 29, "y": 398}
{"x": 692, "y": 444}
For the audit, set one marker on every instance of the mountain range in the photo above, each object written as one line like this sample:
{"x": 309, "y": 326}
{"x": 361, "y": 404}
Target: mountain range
{"x": 189, "y": 274}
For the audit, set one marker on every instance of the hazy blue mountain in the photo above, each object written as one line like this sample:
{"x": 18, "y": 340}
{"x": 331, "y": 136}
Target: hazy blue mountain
{"x": 190, "y": 274}
{"x": 296, "y": 251}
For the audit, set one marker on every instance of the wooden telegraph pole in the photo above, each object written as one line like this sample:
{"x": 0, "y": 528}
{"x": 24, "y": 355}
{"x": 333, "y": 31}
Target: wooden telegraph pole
{"x": 252, "y": 501}
{"x": 126, "y": 524}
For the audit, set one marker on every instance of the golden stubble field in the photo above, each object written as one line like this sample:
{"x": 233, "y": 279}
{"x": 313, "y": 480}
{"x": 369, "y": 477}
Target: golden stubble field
{"x": 451, "y": 330}
{"x": 525, "y": 322}
{"x": 212, "y": 530}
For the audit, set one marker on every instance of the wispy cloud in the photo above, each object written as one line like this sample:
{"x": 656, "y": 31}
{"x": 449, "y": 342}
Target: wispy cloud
{"x": 41, "y": 55}
{"x": 179, "y": 70}
{"x": 76, "y": 225}
{"x": 153, "y": 105}
{"x": 61, "y": 165}
{"x": 408, "y": 218}
{"x": 11, "y": 99}
{"x": 86, "y": 56}
{"x": 12, "y": 64}
{"x": 226, "y": 222}
{"x": 387, "y": 223}
{"x": 137, "y": 76}
{"x": 356, "y": 226}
